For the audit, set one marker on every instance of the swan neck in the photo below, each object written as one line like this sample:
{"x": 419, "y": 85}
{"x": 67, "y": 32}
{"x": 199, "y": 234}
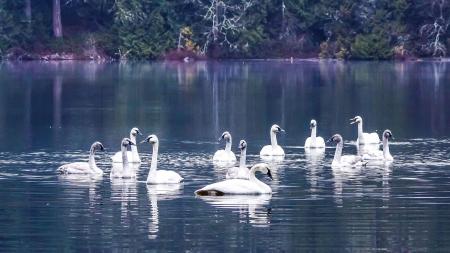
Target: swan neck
{"x": 124, "y": 158}
{"x": 273, "y": 139}
{"x": 92, "y": 163}
{"x": 338, "y": 153}
{"x": 386, "y": 152}
{"x": 313, "y": 134}
{"x": 228, "y": 145}
{"x": 262, "y": 186}
{"x": 360, "y": 129}
{"x": 154, "y": 162}
{"x": 243, "y": 158}
{"x": 134, "y": 149}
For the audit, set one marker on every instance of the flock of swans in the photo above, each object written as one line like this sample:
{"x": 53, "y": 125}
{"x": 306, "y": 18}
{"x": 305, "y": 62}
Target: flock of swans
{"x": 238, "y": 180}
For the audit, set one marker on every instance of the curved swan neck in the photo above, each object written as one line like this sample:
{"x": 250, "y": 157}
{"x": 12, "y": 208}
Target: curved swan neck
{"x": 228, "y": 145}
{"x": 154, "y": 162}
{"x": 243, "y": 158}
{"x": 134, "y": 149}
{"x": 338, "y": 153}
{"x": 273, "y": 139}
{"x": 124, "y": 157}
{"x": 255, "y": 180}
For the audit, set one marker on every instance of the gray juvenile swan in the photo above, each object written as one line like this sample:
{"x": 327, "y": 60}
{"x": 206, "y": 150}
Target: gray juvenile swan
{"x": 241, "y": 171}
{"x": 89, "y": 167}
{"x": 340, "y": 160}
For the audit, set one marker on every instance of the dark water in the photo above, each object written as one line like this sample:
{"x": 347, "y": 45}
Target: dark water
{"x": 50, "y": 113}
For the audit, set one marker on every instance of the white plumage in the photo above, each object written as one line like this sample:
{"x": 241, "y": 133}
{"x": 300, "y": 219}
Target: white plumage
{"x": 89, "y": 167}
{"x": 314, "y": 141}
{"x": 133, "y": 155}
{"x": 272, "y": 150}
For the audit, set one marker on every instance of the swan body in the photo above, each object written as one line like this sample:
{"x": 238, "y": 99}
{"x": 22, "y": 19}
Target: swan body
{"x": 225, "y": 155}
{"x": 89, "y": 167}
{"x": 133, "y": 155}
{"x": 272, "y": 150}
{"x": 159, "y": 176}
{"x": 314, "y": 141}
{"x": 252, "y": 185}
{"x": 384, "y": 154}
{"x": 241, "y": 171}
{"x": 340, "y": 160}
{"x": 125, "y": 171}
{"x": 364, "y": 138}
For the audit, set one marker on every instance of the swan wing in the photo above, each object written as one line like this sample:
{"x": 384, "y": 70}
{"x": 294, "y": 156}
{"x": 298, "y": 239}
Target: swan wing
{"x": 231, "y": 186}
{"x": 308, "y": 142}
{"x": 75, "y": 168}
{"x": 222, "y": 155}
{"x": 320, "y": 142}
{"x": 269, "y": 151}
{"x": 166, "y": 177}
{"x": 238, "y": 172}
{"x": 117, "y": 157}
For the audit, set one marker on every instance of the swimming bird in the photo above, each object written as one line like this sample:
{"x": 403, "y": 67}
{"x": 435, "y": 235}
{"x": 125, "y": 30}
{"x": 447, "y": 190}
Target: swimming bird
{"x": 225, "y": 155}
{"x": 241, "y": 171}
{"x": 364, "y": 138}
{"x": 314, "y": 141}
{"x": 273, "y": 150}
{"x": 125, "y": 171}
{"x": 159, "y": 176}
{"x": 252, "y": 185}
{"x": 133, "y": 155}
{"x": 89, "y": 167}
{"x": 384, "y": 154}
{"x": 340, "y": 160}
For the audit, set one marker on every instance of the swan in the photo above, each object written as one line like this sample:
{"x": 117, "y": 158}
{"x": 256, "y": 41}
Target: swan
{"x": 159, "y": 176}
{"x": 340, "y": 160}
{"x": 241, "y": 171}
{"x": 133, "y": 155}
{"x": 89, "y": 167}
{"x": 225, "y": 155}
{"x": 384, "y": 155}
{"x": 364, "y": 138}
{"x": 314, "y": 141}
{"x": 252, "y": 185}
{"x": 125, "y": 171}
{"x": 273, "y": 149}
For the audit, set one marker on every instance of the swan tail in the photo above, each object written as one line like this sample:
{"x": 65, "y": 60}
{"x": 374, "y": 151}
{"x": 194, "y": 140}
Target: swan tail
{"x": 209, "y": 193}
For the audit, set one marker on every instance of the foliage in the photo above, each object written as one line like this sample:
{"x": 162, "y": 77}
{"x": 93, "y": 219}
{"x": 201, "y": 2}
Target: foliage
{"x": 149, "y": 29}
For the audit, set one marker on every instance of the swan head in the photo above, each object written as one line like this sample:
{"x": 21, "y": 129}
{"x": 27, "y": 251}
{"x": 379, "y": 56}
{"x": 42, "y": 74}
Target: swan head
{"x": 312, "y": 124}
{"x": 242, "y": 144}
{"x": 356, "y": 119}
{"x": 127, "y": 142}
{"x": 263, "y": 168}
{"x": 337, "y": 138}
{"x": 276, "y": 129}
{"x": 225, "y": 136}
{"x": 152, "y": 139}
{"x": 387, "y": 134}
{"x": 135, "y": 131}
{"x": 97, "y": 146}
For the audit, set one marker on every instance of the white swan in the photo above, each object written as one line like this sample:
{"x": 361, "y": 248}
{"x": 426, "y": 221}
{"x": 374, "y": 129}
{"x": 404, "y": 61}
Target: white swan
{"x": 89, "y": 167}
{"x": 273, "y": 150}
{"x": 384, "y": 154}
{"x": 125, "y": 171}
{"x": 364, "y": 138}
{"x": 241, "y": 171}
{"x": 225, "y": 155}
{"x": 340, "y": 160}
{"x": 133, "y": 155}
{"x": 239, "y": 186}
{"x": 159, "y": 176}
{"x": 314, "y": 141}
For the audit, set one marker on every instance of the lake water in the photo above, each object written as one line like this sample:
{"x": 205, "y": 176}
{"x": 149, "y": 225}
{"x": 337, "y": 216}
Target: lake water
{"x": 50, "y": 113}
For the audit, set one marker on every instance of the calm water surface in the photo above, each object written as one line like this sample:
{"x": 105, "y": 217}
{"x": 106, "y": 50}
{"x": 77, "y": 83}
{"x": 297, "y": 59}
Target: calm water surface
{"x": 50, "y": 113}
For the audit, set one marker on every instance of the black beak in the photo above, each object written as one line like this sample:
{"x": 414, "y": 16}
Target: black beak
{"x": 146, "y": 140}
{"x": 102, "y": 148}
{"x": 330, "y": 140}
{"x": 269, "y": 174}
{"x": 139, "y": 132}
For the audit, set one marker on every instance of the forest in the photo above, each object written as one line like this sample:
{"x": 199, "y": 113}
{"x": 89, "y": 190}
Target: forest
{"x": 174, "y": 29}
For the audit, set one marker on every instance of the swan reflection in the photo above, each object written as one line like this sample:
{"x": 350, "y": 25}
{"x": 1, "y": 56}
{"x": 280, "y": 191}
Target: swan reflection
{"x": 251, "y": 208}
{"x": 158, "y": 192}
{"x": 124, "y": 190}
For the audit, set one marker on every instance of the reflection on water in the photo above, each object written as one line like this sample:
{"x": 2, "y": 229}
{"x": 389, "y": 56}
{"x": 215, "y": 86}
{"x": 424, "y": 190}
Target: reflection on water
{"x": 51, "y": 112}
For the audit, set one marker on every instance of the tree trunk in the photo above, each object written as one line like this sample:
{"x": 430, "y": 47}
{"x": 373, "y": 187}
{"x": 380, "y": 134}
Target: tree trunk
{"x": 57, "y": 26}
{"x": 28, "y": 10}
